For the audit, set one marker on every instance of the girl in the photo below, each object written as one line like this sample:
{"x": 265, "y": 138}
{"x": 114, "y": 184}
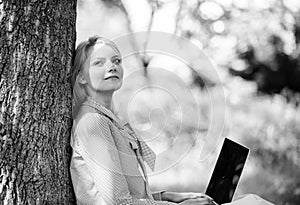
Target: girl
{"x": 107, "y": 165}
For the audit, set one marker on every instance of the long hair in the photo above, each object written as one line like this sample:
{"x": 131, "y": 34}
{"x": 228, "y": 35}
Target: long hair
{"x": 81, "y": 59}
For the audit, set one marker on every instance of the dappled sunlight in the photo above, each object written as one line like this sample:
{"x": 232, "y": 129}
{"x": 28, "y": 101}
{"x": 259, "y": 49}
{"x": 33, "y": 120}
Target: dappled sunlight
{"x": 211, "y": 10}
{"x": 160, "y": 96}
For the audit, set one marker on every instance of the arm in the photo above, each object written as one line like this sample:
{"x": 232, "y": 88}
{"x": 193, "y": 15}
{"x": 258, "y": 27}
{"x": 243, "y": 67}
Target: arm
{"x": 100, "y": 154}
{"x": 178, "y": 197}
{"x": 158, "y": 196}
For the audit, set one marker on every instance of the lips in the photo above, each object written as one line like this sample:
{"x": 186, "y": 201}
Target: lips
{"x": 112, "y": 76}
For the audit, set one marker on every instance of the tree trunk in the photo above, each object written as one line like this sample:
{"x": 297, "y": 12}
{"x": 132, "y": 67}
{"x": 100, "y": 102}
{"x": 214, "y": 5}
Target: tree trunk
{"x": 37, "y": 41}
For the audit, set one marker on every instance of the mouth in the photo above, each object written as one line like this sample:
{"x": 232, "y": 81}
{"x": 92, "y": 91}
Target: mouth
{"x": 112, "y": 77}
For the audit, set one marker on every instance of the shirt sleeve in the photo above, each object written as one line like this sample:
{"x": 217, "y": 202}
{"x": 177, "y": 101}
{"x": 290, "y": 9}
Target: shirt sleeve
{"x": 157, "y": 195}
{"x": 101, "y": 156}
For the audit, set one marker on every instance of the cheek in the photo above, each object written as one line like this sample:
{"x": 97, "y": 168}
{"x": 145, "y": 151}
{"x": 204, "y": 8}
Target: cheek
{"x": 96, "y": 76}
{"x": 121, "y": 70}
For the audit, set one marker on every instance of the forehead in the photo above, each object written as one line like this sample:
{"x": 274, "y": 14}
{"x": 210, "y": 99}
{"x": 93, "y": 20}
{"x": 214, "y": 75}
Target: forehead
{"x": 103, "y": 50}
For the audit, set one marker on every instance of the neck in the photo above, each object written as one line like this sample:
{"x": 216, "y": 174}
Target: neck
{"x": 104, "y": 98}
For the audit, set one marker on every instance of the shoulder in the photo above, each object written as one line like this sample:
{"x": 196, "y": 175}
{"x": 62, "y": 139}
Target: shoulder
{"x": 89, "y": 118}
{"x": 93, "y": 128}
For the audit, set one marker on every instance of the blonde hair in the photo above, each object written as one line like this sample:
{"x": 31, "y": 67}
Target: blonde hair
{"x": 81, "y": 57}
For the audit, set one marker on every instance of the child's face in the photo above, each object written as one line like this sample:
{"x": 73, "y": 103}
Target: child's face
{"x": 104, "y": 71}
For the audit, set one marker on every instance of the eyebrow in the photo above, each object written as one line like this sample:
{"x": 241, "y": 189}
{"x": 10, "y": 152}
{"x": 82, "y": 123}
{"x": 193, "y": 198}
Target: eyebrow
{"x": 99, "y": 58}
{"x": 103, "y": 58}
{"x": 116, "y": 56}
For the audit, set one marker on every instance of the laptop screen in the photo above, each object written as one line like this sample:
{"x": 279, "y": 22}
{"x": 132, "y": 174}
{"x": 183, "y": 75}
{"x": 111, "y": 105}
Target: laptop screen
{"x": 227, "y": 171}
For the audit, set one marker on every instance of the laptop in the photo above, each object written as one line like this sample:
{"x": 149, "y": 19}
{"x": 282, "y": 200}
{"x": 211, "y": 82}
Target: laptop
{"x": 227, "y": 172}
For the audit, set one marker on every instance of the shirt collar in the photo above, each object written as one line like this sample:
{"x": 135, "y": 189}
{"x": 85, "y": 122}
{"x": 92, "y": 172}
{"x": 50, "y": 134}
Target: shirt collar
{"x": 147, "y": 153}
{"x": 100, "y": 108}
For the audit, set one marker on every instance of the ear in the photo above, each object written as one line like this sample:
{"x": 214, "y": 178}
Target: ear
{"x": 81, "y": 78}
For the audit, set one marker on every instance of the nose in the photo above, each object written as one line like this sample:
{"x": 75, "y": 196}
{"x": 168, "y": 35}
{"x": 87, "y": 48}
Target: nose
{"x": 113, "y": 68}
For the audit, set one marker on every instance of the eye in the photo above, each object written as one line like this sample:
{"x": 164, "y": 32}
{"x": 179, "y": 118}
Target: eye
{"x": 99, "y": 63}
{"x": 117, "y": 61}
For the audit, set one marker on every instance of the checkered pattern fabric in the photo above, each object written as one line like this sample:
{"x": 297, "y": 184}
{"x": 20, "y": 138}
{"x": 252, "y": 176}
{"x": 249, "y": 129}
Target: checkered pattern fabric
{"x": 146, "y": 152}
{"x": 107, "y": 159}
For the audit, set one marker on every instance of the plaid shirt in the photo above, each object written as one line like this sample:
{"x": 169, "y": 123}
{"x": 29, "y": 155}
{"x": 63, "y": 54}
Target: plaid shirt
{"x": 107, "y": 165}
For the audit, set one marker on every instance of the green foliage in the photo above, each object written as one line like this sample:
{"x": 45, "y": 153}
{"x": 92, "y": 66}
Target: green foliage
{"x": 270, "y": 127}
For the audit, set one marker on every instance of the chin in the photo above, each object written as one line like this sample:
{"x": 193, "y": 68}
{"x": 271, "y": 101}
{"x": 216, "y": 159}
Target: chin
{"x": 112, "y": 88}
{"x": 118, "y": 86}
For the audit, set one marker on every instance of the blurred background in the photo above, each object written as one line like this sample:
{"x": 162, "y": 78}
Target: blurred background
{"x": 253, "y": 45}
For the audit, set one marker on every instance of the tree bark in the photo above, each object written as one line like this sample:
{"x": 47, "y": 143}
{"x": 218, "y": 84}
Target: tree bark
{"x": 37, "y": 42}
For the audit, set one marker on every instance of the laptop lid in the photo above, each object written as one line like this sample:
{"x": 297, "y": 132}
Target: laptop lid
{"x": 227, "y": 171}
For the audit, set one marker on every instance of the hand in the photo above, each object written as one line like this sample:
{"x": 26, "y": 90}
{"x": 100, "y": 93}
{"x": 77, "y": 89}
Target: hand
{"x": 180, "y": 197}
{"x": 197, "y": 201}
